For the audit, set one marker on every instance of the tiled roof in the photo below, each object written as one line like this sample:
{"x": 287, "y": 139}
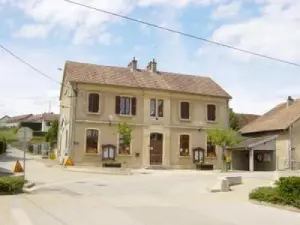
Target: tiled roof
{"x": 248, "y": 142}
{"x": 244, "y": 119}
{"x": 18, "y": 118}
{"x": 123, "y": 76}
{"x": 44, "y": 116}
{"x": 278, "y": 118}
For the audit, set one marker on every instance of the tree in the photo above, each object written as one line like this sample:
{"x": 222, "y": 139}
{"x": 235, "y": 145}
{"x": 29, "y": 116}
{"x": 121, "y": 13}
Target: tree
{"x": 126, "y": 132}
{"x": 223, "y": 138}
{"x": 233, "y": 120}
{"x": 51, "y": 135}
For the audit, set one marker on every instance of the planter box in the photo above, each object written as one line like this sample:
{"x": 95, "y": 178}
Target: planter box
{"x": 204, "y": 166}
{"x": 112, "y": 165}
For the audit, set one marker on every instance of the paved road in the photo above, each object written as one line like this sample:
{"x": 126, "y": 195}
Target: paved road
{"x": 164, "y": 197}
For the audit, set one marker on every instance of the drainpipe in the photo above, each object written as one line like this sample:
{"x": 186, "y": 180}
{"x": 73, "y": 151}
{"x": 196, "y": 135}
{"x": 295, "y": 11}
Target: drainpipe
{"x": 290, "y": 148}
{"x": 74, "y": 109}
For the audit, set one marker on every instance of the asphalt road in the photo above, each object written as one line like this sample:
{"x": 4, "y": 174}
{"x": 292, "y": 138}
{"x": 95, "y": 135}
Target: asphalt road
{"x": 164, "y": 197}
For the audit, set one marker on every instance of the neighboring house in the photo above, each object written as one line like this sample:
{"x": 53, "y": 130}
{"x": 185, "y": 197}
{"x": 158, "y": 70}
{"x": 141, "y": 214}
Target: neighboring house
{"x": 169, "y": 113}
{"x": 3, "y": 121}
{"x": 40, "y": 122}
{"x": 244, "y": 119}
{"x": 16, "y": 120}
{"x": 271, "y": 142}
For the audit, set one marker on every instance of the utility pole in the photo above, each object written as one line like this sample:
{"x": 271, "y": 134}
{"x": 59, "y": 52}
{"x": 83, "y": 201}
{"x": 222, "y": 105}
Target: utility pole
{"x": 49, "y": 109}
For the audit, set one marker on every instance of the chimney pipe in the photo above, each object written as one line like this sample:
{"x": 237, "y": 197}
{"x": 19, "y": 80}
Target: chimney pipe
{"x": 133, "y": 64}
{"x": 152, "y": 66}
{"x": 289, "y": 101}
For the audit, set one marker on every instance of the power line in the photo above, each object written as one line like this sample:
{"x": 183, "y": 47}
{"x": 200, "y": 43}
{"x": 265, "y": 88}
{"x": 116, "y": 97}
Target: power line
{"x": 183, "y": 33}
{"x": 29, "y": 65}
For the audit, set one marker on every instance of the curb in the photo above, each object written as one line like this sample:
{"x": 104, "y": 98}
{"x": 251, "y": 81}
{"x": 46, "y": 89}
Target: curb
{"x": 285, "y": 207}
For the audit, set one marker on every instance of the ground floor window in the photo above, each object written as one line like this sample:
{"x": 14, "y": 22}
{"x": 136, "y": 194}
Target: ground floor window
{"x": 184, "y": 145}
{"x": 92, "y": 139}
{"x": 122, "y": 148}
{"x": 210, "y": 149}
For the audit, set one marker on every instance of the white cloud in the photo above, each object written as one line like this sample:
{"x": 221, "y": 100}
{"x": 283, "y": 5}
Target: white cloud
{"x": 227, "y": 10}
{"x": 275, "y": 33}
{"x": 33, "y": 31}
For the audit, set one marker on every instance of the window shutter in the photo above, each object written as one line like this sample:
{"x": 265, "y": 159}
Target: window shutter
{"x": 133, "y": 106}
{"x": 117, "y": 109}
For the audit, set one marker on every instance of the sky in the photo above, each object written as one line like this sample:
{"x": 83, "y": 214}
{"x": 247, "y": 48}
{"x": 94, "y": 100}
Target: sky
{"x": 46, "y": 33}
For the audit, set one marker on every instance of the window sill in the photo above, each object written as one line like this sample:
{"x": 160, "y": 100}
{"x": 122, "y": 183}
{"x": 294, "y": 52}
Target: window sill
{"x": 212, "y": 121}
{"x": 184, "y": 156}
{"x": 185, "y": 120}
{"x": 93, "y": 113}
{"x": 91, "y": 154}
{"x": 124, "y": 155}
{"x": 124, "y": 115}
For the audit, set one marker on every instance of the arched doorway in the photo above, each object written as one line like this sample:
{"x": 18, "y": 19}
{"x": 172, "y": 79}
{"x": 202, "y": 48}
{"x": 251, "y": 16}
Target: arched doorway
{"x": 156, "y": 148}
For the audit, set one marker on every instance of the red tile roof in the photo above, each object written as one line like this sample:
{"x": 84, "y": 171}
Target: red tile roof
{"x": 123, "y": 76}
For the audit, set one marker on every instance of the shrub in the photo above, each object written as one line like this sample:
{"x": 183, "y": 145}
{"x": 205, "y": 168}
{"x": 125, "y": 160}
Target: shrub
{"x": 3, "y": 146}
{"x": 266, "y": 194}
{"x": 11, "y": 185}
{"x": 289, "y": 188}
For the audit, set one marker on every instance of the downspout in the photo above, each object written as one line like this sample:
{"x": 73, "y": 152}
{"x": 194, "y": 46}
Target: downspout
{"x": 74, "y": 109}
{"x": 290, "y": 148}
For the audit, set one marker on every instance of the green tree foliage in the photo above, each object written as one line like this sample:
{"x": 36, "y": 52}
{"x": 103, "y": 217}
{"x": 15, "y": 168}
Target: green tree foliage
{"x": 233, "y": 120}
{"x": 51, "y": 135}
{"x": 126, "y": 131}
{"x": 223, "y": 138}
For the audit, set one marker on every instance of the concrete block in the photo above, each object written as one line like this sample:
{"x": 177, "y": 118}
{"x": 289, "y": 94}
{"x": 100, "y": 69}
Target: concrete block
{"x": 222, "y": 185}
{"x": 234, "y": 180}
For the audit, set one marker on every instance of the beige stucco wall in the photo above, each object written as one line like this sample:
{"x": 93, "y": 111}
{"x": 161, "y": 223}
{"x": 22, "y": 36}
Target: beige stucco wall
{"x": 170, "y": 125}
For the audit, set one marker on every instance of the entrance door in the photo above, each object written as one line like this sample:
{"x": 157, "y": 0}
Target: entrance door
{"x": 156, "y": 147}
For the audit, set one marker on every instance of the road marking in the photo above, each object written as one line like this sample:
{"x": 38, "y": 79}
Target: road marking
{"x": 20, "y": 217}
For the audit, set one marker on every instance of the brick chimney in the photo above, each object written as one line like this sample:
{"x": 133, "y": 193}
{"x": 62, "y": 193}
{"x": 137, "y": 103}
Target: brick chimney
{"x": 152, "y": 66}
{"x": 133, "y": 64}
{"x": 289, "y": 101}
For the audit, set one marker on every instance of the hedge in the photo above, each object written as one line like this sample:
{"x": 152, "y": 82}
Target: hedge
{"x": 285, "y": 192}
{"x": 11, "y": 185}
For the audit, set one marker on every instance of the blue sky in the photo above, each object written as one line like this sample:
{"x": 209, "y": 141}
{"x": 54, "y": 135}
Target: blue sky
{"x": 46, "y": 33}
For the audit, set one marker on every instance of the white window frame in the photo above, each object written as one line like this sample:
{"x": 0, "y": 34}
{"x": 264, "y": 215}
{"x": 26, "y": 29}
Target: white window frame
{"x": 130, "y": 107}
{"x": 88, "y": 102}
{"x": 190, "y": 145}
{"x": 85, "y": 137}
{"x": 156, "y": 107}
{"x": 118, "y": 142}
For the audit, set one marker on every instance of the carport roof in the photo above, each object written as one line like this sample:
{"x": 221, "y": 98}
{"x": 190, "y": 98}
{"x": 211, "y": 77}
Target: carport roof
{"x": 253, "y": 141}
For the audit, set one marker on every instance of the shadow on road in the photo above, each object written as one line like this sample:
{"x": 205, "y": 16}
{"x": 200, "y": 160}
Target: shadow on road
{"x": 11, "y": 158}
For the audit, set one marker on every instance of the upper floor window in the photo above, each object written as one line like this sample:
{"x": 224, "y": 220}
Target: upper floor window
{"x": 185, "y": 110}
{"x": 94, "y": 100}
{"x": 92, "y": 141}
{"x": 157, "y": 107}
{"x": 210, "y": 149}
{"x": 184, "y": 145}
{"x": 125, "y": 105}
{"x": 211, "y": 112}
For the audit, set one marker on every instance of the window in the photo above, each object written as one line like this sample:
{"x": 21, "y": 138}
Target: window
{"x": 94, "y": 102}
{"x": 108, "y": 152}
{"x": 125, "y": 105}
{"x": 92, "y": 137}
{"x": 210, "y": 149}
{"x": 157, "y": 107}
{"x": 211, "y": 112}
{"x": 184, "y": 145}
{"x": 185, "y": 110}
{"x": 122, "y": 149}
